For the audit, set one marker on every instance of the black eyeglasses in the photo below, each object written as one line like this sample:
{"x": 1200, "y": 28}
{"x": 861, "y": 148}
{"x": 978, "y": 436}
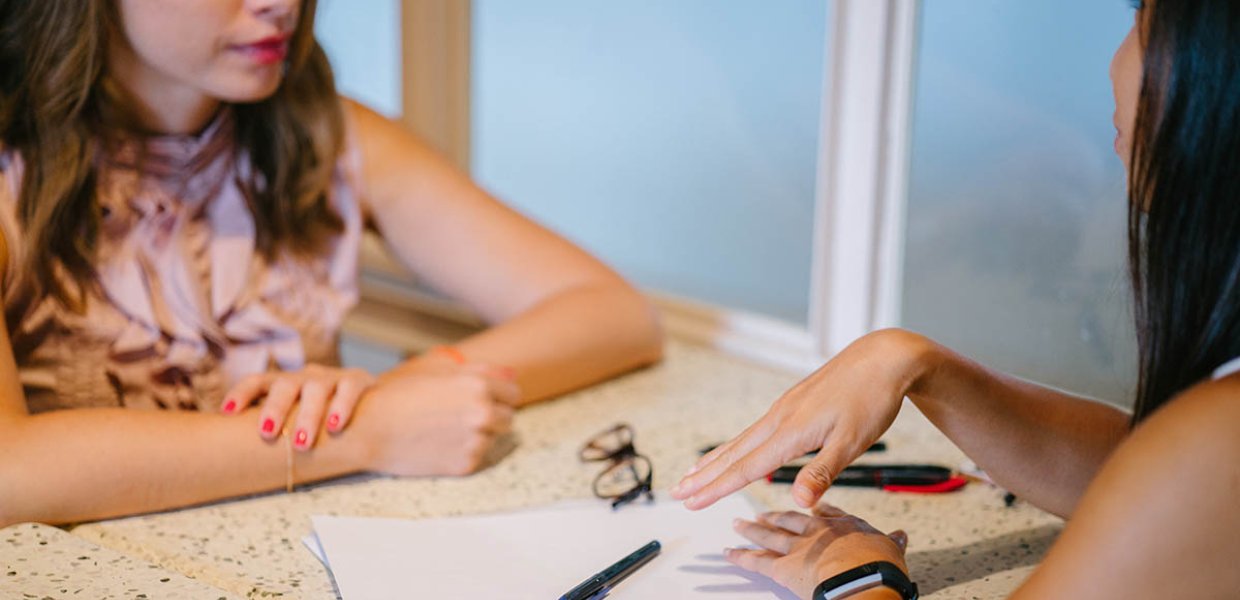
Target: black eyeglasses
{"x": 629, "y": 476}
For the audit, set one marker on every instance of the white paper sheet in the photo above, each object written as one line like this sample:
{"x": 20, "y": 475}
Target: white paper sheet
{"x": 541, "y": 554}
{"x": 311, "y": 542}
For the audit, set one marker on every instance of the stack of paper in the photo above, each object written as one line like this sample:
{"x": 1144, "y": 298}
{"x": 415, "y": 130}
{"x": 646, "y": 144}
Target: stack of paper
{"x": 540, "y": 554}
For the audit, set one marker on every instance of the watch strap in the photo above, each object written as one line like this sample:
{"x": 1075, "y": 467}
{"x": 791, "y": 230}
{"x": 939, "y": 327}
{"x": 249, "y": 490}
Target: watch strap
{"x": 866, "y": 577}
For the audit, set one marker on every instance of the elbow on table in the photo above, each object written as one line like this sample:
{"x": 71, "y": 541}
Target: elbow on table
{"x": 647, "y": 329}
{"x": 19, "y": 480}
{"x": 10, "y": 490}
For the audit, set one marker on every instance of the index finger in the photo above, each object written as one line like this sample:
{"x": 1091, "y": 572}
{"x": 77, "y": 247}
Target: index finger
{"x": 246, "y": 392}
{"x": 724, "y": 457}
{"x": 719, "y": 450}
{"x": 754, "y": 466}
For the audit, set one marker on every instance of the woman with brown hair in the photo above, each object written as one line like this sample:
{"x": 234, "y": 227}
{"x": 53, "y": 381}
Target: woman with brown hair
{"x": 1153, "y": 496}
{"x": 182, "y": 196}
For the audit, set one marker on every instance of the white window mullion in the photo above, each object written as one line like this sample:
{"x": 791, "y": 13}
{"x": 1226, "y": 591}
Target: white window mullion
{"x": 862, "y": 171}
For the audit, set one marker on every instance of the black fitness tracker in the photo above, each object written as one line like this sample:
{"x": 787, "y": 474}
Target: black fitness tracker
{"x": 866, "y": 577}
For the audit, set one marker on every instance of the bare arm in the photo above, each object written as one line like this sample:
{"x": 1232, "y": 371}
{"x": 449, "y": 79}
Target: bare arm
{"x": 84, "y": 464}
{"x": 76, "y": 465}
{"x": 1160, "y": 520}
{"x": 87, "y": 464}
{"x": 1044, "y": 445}
{"x": 1041, "y": 444}
{"x": 560, "y": 318}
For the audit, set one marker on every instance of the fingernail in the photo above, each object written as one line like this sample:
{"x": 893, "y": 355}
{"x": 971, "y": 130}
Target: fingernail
{"x": 230, "y": 406}
{"x": 333, "y": 422}
{"x": 691, "y": 470}
{"x": 301, "y": 438}
{"x": 676, "y": 489}
{"x": 736, "y": 523}
{"x": 508, "y": 373}
{"x": 269, "y": 425}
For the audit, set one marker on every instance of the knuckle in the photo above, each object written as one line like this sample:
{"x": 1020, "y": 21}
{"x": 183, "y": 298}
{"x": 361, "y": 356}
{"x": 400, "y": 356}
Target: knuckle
{"x": 473, "y": 385}
{"x": 314, "y": 389}
{"x": 479, "y": 414}
{"x": 477, "y": 445}
{"x": 749, "y": 471}
{"x": 819, "y": 473}
{"x": 253, "y": 380}
{"x": 284, "y": 384}
{"x": 468, "y": 462}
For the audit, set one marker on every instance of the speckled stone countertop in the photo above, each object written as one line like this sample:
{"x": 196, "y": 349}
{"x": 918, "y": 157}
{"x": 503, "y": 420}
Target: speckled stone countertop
{"x": 964, "y": 545}
{"x": 40, "y": 562}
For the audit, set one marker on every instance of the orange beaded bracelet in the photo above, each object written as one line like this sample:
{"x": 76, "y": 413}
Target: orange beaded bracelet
{"x": 451, "y": 352}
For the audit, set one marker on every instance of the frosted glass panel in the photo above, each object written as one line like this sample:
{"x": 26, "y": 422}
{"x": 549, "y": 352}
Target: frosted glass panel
{"x": 362, "y": 40}
{"x": 676, "y": 140}
{"x": 1016, "y": 212}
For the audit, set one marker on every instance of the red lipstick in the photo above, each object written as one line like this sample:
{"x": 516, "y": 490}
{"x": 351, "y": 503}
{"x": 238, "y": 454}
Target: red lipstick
{"x": 267, "y": 51}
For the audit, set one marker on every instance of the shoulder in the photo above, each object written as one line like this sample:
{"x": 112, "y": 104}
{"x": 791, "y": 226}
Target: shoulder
{"x": 370, "y": 132}
{"x": 1159, "y": 519}
{"x": 393, "y": 164}
{"x": 1204, "y": 417}
{"x": 368, "y": 144}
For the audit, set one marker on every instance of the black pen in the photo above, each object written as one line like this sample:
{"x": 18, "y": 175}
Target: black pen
{"x": 879, "y": 446}
{"x": 599, "y": 585}
{"x": 890, "y": 477}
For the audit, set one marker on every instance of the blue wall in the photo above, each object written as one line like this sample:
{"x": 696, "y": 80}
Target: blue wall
{"x": 676, "y": 140}
{"x": 362, "y": 40}
{"x": 1016, "y": 214}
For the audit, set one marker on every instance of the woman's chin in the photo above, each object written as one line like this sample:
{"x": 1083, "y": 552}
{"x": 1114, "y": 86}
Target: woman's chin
{"x": 249, "y": 91}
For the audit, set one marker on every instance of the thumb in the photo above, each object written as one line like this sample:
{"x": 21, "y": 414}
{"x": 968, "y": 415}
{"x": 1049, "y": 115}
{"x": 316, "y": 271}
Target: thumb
{"x": 814, "y": 478}
{"x": 900, "y": 538}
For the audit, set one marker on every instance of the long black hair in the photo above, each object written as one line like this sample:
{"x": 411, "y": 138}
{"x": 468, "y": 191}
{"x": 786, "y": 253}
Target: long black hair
{"x": 1184, "y": 192}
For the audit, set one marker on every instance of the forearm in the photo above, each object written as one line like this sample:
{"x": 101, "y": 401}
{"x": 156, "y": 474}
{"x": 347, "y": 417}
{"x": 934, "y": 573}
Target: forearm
{"x": 1041, "y": 444}
{"x": 572, "y": 340}
{"x": 85, "y": 464}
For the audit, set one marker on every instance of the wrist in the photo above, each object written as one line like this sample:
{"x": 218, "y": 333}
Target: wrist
{"x": 825, "y": 571}
{"x": 912, "y": 357}
{"x": 874, "y": 577}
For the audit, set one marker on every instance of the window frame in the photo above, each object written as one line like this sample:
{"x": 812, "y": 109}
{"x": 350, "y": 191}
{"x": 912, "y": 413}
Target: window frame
{"x": 859, "y": 200}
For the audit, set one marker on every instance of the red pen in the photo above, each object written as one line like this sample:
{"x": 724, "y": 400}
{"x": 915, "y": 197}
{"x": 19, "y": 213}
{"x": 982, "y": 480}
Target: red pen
{"x": 925, "y": 479}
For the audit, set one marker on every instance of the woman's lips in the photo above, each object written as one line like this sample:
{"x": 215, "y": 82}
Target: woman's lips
{"x": 266, "y": 51}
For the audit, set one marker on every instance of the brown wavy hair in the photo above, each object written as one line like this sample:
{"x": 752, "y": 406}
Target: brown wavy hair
{"x": 58, "y": 110}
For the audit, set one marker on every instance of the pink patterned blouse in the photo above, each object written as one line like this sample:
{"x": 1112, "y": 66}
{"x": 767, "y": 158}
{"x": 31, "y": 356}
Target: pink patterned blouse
{"x": 185, "y": 306}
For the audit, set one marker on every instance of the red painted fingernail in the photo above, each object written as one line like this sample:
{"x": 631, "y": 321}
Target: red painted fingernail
{"x": 301, "y": 438}
{"x": 333, "y": 421}
{"x": 230, "y": 406}
{"x": 269, "y": 425}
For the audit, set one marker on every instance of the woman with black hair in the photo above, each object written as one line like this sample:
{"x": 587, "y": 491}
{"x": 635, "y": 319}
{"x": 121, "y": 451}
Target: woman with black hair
{"x": 1177, "y": 90}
